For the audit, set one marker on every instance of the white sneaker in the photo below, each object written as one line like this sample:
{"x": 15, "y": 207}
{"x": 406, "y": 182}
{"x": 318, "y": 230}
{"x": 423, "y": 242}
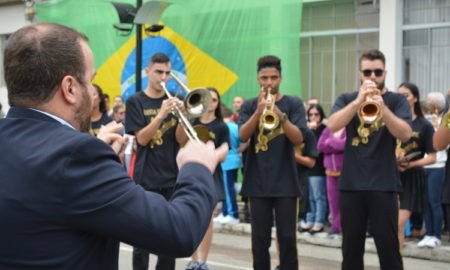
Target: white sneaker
{"x": 229, "y": 220}
{"x": 434, "y": 242}
{"x": 218, "y": 218}
{"x": 424, "y": 241}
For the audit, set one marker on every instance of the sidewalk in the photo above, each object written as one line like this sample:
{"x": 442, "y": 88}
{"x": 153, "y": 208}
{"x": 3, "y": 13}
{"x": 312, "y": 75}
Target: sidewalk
{"x": 441, "y": 253}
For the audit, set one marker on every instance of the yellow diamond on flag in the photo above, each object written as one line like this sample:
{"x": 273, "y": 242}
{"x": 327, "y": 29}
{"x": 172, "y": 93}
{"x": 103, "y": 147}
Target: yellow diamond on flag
{"x": 117, "y": 75}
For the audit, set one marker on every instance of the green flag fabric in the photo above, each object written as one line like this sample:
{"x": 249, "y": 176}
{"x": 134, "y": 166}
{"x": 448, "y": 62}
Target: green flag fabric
{"x": 211, "y": 43}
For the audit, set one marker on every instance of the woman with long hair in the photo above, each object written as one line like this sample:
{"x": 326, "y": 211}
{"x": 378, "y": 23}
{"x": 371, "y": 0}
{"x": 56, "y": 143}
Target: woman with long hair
{"x": 219, "y": 134}
{"x": 413, "y": 198}
{"x": 315, "y": 219}
{"x": 99, "y": 114}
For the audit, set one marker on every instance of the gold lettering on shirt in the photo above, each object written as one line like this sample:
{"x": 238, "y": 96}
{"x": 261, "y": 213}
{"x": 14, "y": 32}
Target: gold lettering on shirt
{"x": 157, "y": 137}
{"x": 148, "y": 112}
{"x": 410, "y": 146}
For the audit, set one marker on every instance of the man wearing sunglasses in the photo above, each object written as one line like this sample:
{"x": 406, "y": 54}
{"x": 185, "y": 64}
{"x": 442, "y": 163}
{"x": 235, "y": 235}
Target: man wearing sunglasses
{"x": 370, "y": 179}
{"x": 158, "y": 135}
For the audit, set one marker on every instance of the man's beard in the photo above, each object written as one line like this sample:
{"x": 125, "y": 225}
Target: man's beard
{"x": 83, "y": 113}
{"x": 380, "y": 86}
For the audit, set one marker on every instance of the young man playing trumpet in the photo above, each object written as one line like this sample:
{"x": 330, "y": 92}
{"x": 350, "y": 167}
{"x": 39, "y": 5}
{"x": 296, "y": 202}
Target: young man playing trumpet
{"x": 271, "y": 180}
{"x": 370, "y": 179}
{"x": 158, "y": 135}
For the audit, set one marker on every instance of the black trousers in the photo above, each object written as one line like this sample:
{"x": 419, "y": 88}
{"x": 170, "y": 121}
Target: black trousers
{"x": 261, "y": 211}
{"x": 141, "y": 256}
{"x": 381, "y": 208}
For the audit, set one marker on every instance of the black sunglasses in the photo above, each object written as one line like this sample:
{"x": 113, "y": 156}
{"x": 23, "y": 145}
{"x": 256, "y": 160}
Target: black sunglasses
{"x": 378, "y": 72}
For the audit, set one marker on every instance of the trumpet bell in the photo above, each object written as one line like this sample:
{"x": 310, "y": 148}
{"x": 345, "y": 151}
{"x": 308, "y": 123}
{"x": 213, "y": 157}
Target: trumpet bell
{"x": 270, "y": 120}
{"x": 197, "y": 101}
{"x": 369, "y": 111}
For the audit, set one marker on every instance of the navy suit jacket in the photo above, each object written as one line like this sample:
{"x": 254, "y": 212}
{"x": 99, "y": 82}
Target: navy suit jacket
{"x": 66, "y": 201}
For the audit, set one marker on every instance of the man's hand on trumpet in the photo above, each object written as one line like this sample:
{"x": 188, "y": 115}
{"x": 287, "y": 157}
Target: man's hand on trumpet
{"x": 170, "y": 105}
{"x": 262, "y": 101}
{"x": 367, "y": 89}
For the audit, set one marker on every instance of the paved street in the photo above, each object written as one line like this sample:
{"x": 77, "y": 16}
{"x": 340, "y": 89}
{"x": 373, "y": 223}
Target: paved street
{"x": 233, "y": 252}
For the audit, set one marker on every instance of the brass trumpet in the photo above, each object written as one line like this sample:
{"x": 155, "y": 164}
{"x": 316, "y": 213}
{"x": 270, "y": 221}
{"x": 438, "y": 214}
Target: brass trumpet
{"x": 269, "y": 119}
{"x": 198, "y": 133}
{"x": 197, "y": 101}
{"x": 369, "y": 111}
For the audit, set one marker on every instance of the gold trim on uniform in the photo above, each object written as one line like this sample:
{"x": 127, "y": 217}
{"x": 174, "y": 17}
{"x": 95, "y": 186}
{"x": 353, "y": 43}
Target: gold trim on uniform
{"x": 157, "y": 138}
{"x": 264, "y": 139}
{"x": 365, "y": 131}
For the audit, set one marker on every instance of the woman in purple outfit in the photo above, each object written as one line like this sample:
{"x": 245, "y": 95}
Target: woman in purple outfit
{"x": 332, "y": 146}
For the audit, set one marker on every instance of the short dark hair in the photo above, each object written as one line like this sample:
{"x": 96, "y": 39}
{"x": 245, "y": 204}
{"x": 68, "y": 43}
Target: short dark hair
{"x": 37, "y": 58}
{"x": 117, "y": 108}
{"x": 226, "y": 112}
{"x": 269, "y": 61}
{"x": 158, "y": 58}
{"x": 373, "y": 55}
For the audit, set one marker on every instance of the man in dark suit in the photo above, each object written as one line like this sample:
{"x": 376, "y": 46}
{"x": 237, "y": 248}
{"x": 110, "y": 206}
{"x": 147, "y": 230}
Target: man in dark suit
{"x": 65, "y": 199}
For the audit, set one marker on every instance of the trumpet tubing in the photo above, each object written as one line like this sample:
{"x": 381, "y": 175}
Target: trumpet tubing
{"x": 197, "y": 101}
{"x": 269, "y": 119}
{"x": 188, "y": 129}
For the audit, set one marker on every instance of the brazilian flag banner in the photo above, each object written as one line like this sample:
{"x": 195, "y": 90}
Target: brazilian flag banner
{"x": 211, "y": 43}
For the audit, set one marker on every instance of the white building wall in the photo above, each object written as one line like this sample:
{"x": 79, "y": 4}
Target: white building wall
{"x": 391, "y": 40}
{"x": 11, "y": 18}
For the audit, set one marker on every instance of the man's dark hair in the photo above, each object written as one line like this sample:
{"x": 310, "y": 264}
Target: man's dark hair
{"x": 37, "y": 58}
{"x": 373, "y": 55}
{"x": 269, "y": 61}
{"x": 159, "y": 58}
{"x": 226, "y": 112}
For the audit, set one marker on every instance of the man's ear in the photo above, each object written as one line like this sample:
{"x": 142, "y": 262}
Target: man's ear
{"x": 68, "y": 87}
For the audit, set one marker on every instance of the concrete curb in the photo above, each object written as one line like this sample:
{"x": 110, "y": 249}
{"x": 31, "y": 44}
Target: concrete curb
{"x": 441, "y": 254}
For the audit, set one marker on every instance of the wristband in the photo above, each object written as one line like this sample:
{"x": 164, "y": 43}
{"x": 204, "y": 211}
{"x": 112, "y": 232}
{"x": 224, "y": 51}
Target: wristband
{"x": 283, "y": 118}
